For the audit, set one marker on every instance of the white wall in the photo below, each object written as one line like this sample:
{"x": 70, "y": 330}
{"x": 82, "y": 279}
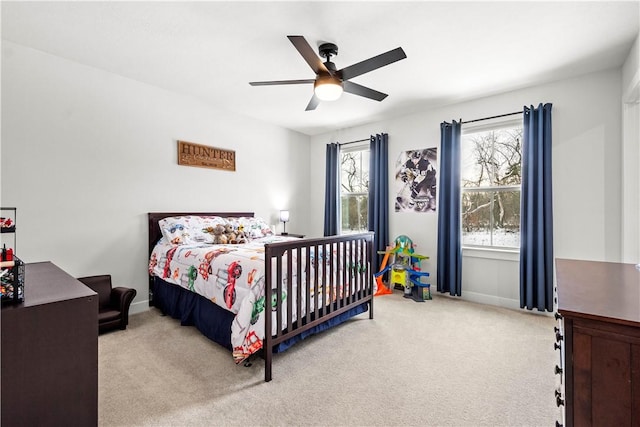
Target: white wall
{"x": 631, "y": 155}
{"x": 86, "y": 154}
{"x": 586, "y": 176}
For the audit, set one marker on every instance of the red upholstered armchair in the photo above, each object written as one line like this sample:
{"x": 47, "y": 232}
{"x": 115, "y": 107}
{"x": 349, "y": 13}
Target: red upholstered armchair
{"x": 113, "y": 303}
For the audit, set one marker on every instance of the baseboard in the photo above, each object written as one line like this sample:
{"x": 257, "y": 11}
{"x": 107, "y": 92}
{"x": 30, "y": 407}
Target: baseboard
{"x": 139, "y": 307}
{"x": 509, "y": 303}
{"x": 491, "y": 300}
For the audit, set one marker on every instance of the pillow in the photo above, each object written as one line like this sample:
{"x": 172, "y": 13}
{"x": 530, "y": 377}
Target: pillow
{"x": 189, "y": 229}
{"x": 174, "y": 230}
{"x": 254, "y": 227}
{"x": 202, "y": 228}
{"x": 193, "y": 229}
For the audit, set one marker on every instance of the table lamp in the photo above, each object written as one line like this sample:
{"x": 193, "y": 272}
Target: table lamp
{"x": 284, "y": 217}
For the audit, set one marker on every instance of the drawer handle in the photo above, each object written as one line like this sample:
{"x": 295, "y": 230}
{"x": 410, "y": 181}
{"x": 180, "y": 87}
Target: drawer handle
{"x": 558, "y": 370}
{"x": 558, "y": 424}
{"x": 559, "y": 401}
{"x": 557, "y": 315}
{"x": 557, "y": 346}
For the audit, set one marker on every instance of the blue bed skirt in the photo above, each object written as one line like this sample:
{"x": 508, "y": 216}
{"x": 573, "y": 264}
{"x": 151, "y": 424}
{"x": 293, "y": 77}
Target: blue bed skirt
{"x": 214, "y": 322}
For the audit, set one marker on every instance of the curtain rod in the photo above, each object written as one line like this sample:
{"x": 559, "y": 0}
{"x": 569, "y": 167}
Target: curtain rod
{"x": 492, "y": 117}
{"x": 354, "y": 142}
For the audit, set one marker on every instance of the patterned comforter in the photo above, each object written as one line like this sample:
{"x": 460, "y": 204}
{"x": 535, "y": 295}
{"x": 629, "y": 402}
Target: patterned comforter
{"x": 231, "y": 276}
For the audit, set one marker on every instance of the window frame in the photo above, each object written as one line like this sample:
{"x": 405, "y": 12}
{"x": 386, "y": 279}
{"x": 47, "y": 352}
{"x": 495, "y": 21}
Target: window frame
{"x": 490, "y": 125}
{"x": 355, "y": 147}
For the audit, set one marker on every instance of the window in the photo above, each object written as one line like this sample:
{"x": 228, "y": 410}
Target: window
{"x": 491, "y": 160}
{"x": 354, "y": 189}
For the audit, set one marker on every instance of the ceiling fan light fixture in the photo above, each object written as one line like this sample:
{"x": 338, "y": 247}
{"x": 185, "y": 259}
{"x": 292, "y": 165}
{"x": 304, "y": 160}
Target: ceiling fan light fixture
{"x": 330, "y": 82}
{"x": 327, "y": 88}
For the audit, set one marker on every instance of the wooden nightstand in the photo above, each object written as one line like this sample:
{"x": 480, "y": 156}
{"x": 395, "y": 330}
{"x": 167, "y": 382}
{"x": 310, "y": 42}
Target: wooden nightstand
{"x": 300, "y": 236}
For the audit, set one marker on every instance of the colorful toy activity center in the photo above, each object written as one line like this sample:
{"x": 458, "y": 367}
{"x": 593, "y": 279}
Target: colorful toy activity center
{"x": 404, "y": 271}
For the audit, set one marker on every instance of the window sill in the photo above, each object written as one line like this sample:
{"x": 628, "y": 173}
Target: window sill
{"x": 491, "y": 253}
{"x": 347, "y": 232}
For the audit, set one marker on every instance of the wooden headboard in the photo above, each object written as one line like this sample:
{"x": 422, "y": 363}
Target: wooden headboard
{"x": 154, "y": 217}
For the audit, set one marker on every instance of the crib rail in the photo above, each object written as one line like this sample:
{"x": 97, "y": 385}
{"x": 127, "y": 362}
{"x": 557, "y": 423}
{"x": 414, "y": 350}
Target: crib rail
{"x": 331, "y": 275}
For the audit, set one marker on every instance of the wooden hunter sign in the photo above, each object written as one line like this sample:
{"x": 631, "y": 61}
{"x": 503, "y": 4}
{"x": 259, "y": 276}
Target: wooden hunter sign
{"x": 190, "y": 154}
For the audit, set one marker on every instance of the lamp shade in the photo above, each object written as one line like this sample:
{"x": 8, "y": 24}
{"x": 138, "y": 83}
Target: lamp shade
{"x": 284, "y": 216}
{"x": 327, "y": 88}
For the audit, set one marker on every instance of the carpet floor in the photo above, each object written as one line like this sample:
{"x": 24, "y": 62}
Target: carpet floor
{"x": 444, "y": 362}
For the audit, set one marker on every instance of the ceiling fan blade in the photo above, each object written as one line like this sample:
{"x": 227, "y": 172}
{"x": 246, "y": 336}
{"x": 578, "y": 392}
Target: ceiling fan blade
{"x": 313, "y": 103}
{"x": 308, "y": 54}
{"x": 371, "y": 64}
{"x": 282, "y": 82}
{"x": 357, "y": 89}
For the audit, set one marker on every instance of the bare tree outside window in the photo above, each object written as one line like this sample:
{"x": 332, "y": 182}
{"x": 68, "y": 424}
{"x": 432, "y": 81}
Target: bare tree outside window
{"x": 354, "y": 190}
{"x": 491, "y": 175}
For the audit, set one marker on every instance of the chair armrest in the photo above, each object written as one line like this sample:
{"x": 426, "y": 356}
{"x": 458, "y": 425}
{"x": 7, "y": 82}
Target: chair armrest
{"x": 121, "y": 298}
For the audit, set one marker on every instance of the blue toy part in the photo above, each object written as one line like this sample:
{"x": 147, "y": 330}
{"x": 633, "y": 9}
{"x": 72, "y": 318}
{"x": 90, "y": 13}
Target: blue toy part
{"x": 381, "y": 272}
{"x": 419, "y": 291}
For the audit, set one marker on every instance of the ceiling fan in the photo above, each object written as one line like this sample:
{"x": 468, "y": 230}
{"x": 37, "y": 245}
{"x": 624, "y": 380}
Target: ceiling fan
{"x": 329, "y": 82}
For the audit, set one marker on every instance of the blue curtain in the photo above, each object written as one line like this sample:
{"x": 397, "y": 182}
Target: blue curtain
{"x": 379, "y": 194}
{"x": 536, "y": 214}
{"x": 449, "y": 265}
{"x": 332, "y": 191}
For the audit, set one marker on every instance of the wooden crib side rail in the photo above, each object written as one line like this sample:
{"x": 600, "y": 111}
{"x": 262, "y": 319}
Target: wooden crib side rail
{"x": 337, "y": 269}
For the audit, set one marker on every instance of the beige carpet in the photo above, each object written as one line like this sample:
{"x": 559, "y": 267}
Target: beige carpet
{"x": 445, "y": 362}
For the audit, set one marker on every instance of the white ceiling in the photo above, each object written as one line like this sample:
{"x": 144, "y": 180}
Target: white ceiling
{"x": 211, "y": 50}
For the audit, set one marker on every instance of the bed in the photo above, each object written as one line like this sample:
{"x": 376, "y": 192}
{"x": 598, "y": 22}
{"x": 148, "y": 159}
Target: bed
{"x": 221, "y": 289}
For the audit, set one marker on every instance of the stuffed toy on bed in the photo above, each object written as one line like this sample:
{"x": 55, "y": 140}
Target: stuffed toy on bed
{"x": 219, "y": 237}
{"x": 241, "y": 236}
{"x": 230, "y": 233}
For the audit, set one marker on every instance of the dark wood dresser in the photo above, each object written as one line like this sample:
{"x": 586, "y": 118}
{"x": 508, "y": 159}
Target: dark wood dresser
{"x": 50, "y": 352}
{"x": 600, "y": 307}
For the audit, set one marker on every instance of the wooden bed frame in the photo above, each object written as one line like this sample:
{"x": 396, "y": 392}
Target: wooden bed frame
{"x": 356, "y": 279}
